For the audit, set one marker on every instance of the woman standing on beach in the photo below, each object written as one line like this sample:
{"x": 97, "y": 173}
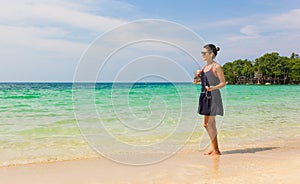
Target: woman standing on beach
{"x": 210, "y": 101}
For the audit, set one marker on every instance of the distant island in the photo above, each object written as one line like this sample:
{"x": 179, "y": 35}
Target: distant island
{"x": 271, "y": 68}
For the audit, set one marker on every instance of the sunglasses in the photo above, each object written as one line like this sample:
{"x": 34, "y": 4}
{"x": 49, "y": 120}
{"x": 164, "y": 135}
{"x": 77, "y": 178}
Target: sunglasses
{"x": 204, "y": 53}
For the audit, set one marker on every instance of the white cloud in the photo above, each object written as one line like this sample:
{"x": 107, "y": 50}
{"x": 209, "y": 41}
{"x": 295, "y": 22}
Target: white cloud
{"x": 223, "y": 23}
{"x": 289, "y": 20}
{"x": 48, "y": 25}
{"x": 257, "y": 22}
{"x": 250, "y": 30}
{"x": 43, "y": 40}
{"x": 245, "y": 47}
{"x": 62, "y": 27}
{"x": 33, "y": 37}
{"x": 250, "y": 37}
{"x": 136, "y": 40}
{"x": 54, "y": 12}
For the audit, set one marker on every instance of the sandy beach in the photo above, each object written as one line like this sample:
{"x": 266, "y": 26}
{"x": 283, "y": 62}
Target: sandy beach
{"x": 269, "y": 162}
{"x": 121, "y": 91}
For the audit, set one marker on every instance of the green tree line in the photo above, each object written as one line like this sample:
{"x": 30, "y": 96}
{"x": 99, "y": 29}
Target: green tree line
{"x": 271, "y": 68}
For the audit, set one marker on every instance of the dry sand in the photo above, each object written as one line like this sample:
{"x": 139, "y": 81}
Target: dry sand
{"x": 276, "y": 162}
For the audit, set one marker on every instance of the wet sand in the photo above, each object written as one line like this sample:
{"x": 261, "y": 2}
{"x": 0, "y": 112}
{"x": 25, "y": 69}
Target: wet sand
{"x": 273, "y": 162}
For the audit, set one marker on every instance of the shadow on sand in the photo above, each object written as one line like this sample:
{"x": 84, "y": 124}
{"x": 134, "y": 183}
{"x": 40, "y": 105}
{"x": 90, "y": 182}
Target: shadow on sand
{"x": 248, "y": 150}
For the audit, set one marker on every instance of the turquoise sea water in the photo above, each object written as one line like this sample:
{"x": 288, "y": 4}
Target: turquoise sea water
{"x": 42, "y": 122}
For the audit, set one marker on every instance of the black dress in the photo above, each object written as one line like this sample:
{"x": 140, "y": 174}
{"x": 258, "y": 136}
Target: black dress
{"x": 210, "y": 102}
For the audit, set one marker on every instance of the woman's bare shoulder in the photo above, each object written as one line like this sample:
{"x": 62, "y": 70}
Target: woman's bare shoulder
{"x": 217, "y": 66}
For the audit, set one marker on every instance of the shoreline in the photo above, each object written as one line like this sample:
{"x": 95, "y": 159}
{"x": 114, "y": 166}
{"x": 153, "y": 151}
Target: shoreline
{"x": 266, "y": 162}
{"x": 192, "y": 146}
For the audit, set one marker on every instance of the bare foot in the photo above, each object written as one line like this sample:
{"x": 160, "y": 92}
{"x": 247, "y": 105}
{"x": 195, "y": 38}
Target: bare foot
{"x": 213, "y": 153}
{"x": 209, "y": 153}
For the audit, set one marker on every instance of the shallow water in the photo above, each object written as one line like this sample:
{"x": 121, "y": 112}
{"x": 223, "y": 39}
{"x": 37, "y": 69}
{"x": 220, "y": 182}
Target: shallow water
{"x": 42, "y": 122}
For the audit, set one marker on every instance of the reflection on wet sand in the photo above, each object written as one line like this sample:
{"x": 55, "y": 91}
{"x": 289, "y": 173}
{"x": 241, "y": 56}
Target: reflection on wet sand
{"x": 215, "y": 165}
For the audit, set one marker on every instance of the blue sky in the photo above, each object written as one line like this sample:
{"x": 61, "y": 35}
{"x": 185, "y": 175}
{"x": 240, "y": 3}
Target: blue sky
{"x": 44, "y": 40}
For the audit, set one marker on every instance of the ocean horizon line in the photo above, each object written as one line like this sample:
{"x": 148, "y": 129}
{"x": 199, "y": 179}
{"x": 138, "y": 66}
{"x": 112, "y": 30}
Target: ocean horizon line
{"x": 146, "y": 82}
{"x": 70, "y": 82}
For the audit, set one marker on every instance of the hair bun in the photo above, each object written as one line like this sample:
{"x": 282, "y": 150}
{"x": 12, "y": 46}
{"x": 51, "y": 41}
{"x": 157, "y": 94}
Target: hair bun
{"x": 217, "y": 48}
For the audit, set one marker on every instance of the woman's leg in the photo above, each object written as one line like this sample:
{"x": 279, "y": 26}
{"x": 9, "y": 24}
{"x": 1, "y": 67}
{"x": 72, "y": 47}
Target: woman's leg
{"x": 210, "y": 126}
